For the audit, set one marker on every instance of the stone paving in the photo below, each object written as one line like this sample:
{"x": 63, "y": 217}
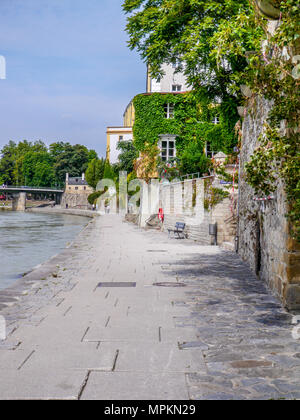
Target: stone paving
{"x": 197, "y": 325}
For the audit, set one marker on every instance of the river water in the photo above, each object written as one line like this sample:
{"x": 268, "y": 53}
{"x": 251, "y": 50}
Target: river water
{"x": 28, "y": 239}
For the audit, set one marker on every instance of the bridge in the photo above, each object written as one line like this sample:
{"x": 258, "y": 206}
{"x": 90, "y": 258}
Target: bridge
{"x": 40, "y": 193}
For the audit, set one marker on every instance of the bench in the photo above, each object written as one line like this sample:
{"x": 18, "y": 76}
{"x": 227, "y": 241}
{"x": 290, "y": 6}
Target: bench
{"x": 178, "y": 230}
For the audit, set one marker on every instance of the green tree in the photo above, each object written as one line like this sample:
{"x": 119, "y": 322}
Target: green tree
{"x": 185, "y": 31}
{"x": 73, "y": 160}
{"x": 109, "y": 172}
{"x": 193, "y": 160}
{"x": 8, "y": 158}
{"x": 127, "y": 156}
{"x": 95, "y": 172}
{"x": 190, "y": 33}
{"x": 38, "y": 169}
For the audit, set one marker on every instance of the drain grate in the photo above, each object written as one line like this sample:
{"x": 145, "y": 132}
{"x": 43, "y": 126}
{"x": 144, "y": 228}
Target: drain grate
{"x": 169, "y": 284}
{"x": 117, "y": 284}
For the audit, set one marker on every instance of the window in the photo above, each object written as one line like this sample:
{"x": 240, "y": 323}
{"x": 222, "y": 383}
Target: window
{"x": 216, "y": 119}
{"x": 168, "y": 148}
{"x": 84, "y": 188}
{"x": 121, "y": 138}
{"x": 169, "y": 110}
{"x": 176, "y": 88}
{"x": 76, "y": 188}
{"x": 209, "y": 152}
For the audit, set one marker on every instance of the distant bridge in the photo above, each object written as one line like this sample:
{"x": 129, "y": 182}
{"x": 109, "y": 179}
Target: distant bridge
{"x": 30, "y": 190}
{"x": 39, "y": 193}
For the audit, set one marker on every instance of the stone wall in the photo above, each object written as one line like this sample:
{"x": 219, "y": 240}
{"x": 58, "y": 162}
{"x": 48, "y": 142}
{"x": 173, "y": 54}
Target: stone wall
{"x": 264, "y": 238}
{"x": 224, "y": 214}
{"x": 76, "y": 201}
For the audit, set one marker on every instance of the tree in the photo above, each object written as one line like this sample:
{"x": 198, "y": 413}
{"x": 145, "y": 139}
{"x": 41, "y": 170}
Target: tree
{"x": 73, "y": 160}
{"x": 38, "y": 170}
{"x": 7, "y": 163}
{"x": 109, "y": 172}
{"x": 95, "y": 172}
{"x": 190, "y": 32}
{"x": 193, "y": 160}
{"x": 127, "y": 156}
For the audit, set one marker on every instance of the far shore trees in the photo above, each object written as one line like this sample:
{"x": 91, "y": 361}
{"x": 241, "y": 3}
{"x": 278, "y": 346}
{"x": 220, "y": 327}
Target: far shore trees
{"x": 34, "y": 164}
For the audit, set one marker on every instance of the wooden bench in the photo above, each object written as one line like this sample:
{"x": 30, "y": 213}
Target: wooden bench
{"x": 178, "y": 230}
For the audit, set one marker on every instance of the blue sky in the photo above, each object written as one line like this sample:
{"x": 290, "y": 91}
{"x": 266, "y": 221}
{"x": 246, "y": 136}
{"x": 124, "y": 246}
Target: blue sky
{"x": 69, "y": 71}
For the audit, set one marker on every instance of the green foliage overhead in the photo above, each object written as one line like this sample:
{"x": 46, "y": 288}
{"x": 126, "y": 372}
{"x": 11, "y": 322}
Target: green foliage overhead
{"x": 164, "y": 31}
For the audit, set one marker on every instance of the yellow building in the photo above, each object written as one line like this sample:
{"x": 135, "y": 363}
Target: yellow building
{"x": 129, "y": 115}
{"x": 77, "y": 185}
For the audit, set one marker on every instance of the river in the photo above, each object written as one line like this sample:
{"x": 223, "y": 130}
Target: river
{"x": 28, "y": 239}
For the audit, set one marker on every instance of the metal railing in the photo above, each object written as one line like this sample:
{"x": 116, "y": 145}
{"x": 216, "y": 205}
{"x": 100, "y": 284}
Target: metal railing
{"x": 26, "y": 187}
{"x": 194, "y": 176}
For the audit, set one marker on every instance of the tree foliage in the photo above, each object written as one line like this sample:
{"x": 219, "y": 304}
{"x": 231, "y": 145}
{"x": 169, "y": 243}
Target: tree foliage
{"x": 33, "y": 163}
{"x": 95, "y": 172}
{"x": 127, "y": 156}
{"x": 165, "y": 31}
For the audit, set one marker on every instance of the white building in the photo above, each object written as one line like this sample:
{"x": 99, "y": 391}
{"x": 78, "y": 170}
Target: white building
{"x": 170, "y": 82}
{"x": 114, "y": 136}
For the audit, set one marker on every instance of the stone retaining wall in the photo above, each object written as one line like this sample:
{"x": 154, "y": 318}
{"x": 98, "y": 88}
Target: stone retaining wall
{"x": 264, "y": 232}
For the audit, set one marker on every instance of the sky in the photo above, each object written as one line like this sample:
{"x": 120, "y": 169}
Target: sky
{"x": 69, "y": 72}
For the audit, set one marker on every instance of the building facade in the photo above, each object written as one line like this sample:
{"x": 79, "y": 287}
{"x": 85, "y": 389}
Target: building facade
{"x": 114, "y": 136}
{"x": 172, "y": 82}
{"x": 76, "y": 193}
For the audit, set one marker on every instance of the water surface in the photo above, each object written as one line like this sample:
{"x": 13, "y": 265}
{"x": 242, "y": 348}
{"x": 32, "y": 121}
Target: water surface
{"x": 28, "y": 239}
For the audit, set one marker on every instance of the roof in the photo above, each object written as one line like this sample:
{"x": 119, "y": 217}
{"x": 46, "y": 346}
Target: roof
{"x": 77, "y": 181}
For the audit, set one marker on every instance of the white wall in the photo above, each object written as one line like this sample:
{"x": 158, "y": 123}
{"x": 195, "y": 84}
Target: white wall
{"x": 114, "y": 140}
{"x": 170, "y": 78}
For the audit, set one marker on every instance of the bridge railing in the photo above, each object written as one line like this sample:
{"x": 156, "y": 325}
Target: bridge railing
{"x": 26, "y": 187}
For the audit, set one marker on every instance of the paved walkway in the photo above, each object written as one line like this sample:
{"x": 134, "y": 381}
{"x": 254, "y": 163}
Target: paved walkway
{"x": 216, "y": 333}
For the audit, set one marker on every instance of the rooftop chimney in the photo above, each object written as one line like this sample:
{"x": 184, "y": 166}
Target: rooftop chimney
{"x": 67, "y": 178}
{"x": 83, "y": 177}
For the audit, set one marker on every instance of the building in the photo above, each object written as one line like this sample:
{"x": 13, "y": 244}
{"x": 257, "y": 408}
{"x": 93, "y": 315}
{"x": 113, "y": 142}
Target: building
{"x": 114, "y": 136}
{"x": 172, "y": 82}
{"x": 76, "y": 193}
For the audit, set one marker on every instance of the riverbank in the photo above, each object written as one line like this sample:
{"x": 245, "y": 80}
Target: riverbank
{"x": 59, "y": 210}
{"x": 37, "y": 248}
